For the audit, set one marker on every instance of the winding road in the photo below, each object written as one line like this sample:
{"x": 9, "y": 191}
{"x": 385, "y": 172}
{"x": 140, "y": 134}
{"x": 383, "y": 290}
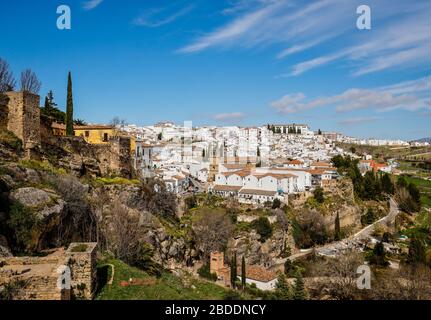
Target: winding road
{"x": 350, "y": 242}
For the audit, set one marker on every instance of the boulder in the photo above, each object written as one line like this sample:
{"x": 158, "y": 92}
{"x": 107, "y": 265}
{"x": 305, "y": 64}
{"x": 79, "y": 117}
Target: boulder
{"x": 4, "y": 248}
{"x": 42, "y": 202}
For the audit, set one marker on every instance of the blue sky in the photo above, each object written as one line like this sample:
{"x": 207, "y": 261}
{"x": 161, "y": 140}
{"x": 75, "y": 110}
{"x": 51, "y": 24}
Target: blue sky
{"x": 232, "y": 62}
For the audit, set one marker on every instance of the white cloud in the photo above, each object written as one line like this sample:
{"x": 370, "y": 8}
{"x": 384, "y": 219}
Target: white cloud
{"x": 400, "y": 34}
{"x": 91, "y": 4}
{"x": 158, "y": 17}
{"x": 226, "y": 117}
{"x": 265, "y": 22}
{"x": 357, "y": 120}
{"x": 409, "y": 95}
{"x": 400, "y": 43}
{"x": 232, "y": 31}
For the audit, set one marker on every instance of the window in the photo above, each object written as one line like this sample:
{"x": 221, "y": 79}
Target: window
{"x": 105, "y": 137}
{"x": 87, "y": 134}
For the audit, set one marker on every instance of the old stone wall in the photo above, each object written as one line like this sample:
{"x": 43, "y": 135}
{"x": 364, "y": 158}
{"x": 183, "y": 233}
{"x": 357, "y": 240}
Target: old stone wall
{"x": 115, "y": 158}
{"x": 24, "y": 118}
{"x": 36, "y": 278}
{"x": 82, "y": 259}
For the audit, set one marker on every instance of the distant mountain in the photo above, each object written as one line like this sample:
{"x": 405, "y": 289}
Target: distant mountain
{"x": 423, "y": 140}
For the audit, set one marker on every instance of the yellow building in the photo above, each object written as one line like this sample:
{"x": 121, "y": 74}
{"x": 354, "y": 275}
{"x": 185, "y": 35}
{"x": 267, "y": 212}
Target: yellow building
{"x": 94, "y": 134}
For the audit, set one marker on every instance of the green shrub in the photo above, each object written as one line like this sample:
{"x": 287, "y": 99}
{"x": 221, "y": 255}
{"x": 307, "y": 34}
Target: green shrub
{"x": 10, "y": 139}
{"x": 11, "y": 289}
{"x": 205, "y": 272}
{"x": 369, "y": 217}
{"x": 318, "y": 195}
{"x": 22, "y": 222}
{"x": 80, "y": 248}
{"x": 276, "y": 203}
{"x": 146, "y": 263}
{"x": 232, "y": 295}
{"x": 263, "y": 228}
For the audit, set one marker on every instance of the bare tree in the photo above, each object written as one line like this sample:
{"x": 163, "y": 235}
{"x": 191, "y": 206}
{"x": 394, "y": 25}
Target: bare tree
{"x": 157, "y": 199}
{"x": 7, "y": 81}
{"x": 212, "y": 229}
{"x": 342, "y": 276}
{"x": 30, "y": 82}
{"x": 122, "y": 232}
{"x": 410, "y": 282}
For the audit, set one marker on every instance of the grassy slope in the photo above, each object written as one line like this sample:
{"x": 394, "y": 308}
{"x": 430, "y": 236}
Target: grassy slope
{"x": 167, "y": 287}
{"x": 424, "y": 187}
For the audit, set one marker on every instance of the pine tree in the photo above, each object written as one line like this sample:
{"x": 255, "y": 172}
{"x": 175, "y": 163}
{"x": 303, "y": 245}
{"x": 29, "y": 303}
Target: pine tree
{"x": 69, "y": 107}
{"x": 243, "y": 273}
{"x": 46, "y": 105}
{"x": 282, "y": 288}
{"x": 299, "y": 292}
{"x": 50, "y": 97}
{"x": 337, "y": 231}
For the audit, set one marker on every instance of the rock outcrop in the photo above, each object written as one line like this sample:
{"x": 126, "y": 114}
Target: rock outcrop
{"x": 43, "y": 203}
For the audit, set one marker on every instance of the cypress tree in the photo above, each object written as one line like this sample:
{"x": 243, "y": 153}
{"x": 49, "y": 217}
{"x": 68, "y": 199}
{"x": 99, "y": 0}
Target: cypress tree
{"x": 233, "y": 272}
{"x": 417, "y": 251}
{"x": 337, "y": 231}
{"x": 243, "y": 273}
{"x": 69, "y": 107}
{"x": 299, "y": 289}
{"x": 387, "y": 185}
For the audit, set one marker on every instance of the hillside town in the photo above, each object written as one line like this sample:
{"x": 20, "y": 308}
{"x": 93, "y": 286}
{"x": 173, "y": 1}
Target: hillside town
{"x": 271, "y": 196}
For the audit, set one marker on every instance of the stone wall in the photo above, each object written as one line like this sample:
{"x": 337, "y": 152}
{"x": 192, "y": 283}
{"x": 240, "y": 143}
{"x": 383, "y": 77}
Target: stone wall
{"x": 115, "y": 158}
{"x": 82, "y": 259}
{"x": 24, "y": 118}
{"x": 36, "y": 278}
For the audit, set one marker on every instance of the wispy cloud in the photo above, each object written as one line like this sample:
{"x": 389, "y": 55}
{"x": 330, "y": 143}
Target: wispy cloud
{"x": 228, "y": 117}
{"x": 400, "y": 43}
{"x": 409, "y": 95}
{"x": 232, "y": 31}
{"x": 158, "y": 17}
{"x": 357, "y": 120}
{"x": 91, "y": 4}
{"x": 401, "y": 34}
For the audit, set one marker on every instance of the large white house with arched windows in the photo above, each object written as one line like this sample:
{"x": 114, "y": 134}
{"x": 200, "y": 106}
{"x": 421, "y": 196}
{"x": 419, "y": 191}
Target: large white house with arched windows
{"x": 259, "y": 185}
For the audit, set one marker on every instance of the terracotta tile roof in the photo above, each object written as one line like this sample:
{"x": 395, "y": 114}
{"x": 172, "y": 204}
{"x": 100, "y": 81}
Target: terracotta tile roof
{"x": 321, "y": 164}
{"x": 241, "y": 173}
{"x": 219, "y": 187}
{"x": 258, "y": 192}
{"x": 295, "y": 162}
{"x": 234, "y": 165}
{"x": 178, "y": 177}
{"x": 258, "y": 273}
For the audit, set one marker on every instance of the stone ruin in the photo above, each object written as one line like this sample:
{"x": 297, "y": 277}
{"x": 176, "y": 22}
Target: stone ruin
{"x": 47, "y": 278}
{"x": 24, "y": 119}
